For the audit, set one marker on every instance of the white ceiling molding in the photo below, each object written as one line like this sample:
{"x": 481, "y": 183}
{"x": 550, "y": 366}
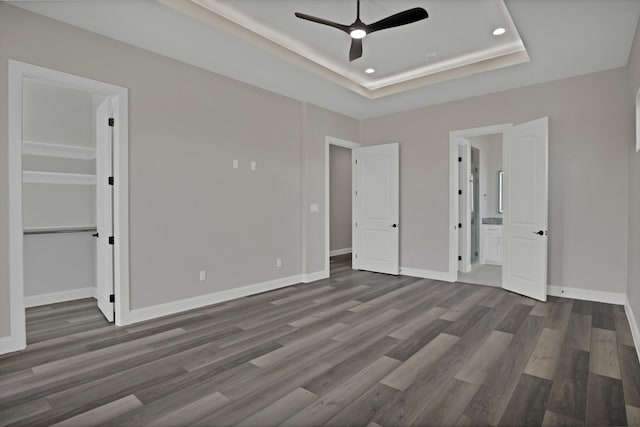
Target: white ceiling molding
{"x": 300, "y": 50}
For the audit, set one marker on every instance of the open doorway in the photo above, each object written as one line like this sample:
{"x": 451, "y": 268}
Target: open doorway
{"x": 340, "y": 211}
{"x": 339, "y": 217}
{"x": 476, "y": 163}
{"x": 483, "y": 221}
{"x": 68, "y": 182}
{"x": 517, "y": 242}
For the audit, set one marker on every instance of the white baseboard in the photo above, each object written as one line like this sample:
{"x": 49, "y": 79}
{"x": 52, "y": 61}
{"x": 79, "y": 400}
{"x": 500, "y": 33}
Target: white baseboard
{"x": 633, "y": 323}
{"x": 587, "y": 294}
{"x": 312, "y": 277}
{"x": 427, "y": 274}
{"x": 55, "y": 297}
{"x": 10, "y": 344}
{"x": 343, "y": 251}
{"x": 148, "y": 313}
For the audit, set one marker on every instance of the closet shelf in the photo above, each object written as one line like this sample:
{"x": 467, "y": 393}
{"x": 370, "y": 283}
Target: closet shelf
{"x": 36, "y": 177}
{"x": 33, "y": 148}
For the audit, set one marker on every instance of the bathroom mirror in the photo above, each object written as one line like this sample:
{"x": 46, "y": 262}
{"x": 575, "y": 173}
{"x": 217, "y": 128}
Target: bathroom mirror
{"x": 500, "y": 175}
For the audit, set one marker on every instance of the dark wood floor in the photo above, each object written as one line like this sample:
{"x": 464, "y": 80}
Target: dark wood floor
{"x": 357, "y": 349}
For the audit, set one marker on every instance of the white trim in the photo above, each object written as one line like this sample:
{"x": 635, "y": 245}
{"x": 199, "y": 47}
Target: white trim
{"x": 18, "y": 338}
{"x": 328, "y": 141}
{"x": 10, "y": 344}
{"x": 37, "y": 177}
{"x": 343, "y": 251}
{"x": 444, "y": 276}
{"x": 453, "y": 186}
{"x": 33, "y": 148}
{"x": 56, "y": 297}
{"x": 173, "y": 307}
{"x": 312, "y": 277}
{"x": 586, "y": 294}
{"x": 18, "y": 71}
{"x": 633, "y": 323}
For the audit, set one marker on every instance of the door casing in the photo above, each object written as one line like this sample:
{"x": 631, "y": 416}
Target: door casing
{"x": 456, "y": 139}
{"x": 18, "y": 71}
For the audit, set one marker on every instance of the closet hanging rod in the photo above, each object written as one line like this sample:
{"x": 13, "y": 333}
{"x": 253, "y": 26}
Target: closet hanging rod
{"x": 60, "y": 231}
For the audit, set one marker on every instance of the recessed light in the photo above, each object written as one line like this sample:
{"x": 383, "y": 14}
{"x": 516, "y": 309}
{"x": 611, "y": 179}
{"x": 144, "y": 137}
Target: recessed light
{"x": 370, "y": 70}
{"x": 430, "y": 55}
{"x": 499, "y": 31}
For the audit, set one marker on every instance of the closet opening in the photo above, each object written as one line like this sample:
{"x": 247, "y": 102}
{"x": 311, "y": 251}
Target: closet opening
{"x": 68, "y": 181}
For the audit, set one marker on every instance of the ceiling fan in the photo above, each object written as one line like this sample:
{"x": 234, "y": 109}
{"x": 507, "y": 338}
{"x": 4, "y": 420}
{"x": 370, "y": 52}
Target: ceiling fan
{"x": 358, "y": 30}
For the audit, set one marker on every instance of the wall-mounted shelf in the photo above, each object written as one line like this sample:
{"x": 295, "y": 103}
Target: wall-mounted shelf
{"x": 33, "y": 148}
{"x": 35, "y": 177}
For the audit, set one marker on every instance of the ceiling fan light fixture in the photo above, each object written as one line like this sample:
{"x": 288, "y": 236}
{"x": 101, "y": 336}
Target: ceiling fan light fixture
{"x": 499, "y": 31}
{"x": 370, "y": 70}
{"x": 357, "y": 33}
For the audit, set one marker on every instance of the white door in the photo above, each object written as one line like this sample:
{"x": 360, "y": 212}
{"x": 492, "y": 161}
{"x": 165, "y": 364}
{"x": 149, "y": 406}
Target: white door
{"x": 104, "y": 209}
{"x": 524, "y": 238}
{"x": 376, "y": 208}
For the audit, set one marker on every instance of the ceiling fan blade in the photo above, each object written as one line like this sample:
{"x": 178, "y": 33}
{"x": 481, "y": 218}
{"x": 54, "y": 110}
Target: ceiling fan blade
{"x": 345, "y": 28}
{"x": 402, "y": 18}
{"x": 356, "y": 49}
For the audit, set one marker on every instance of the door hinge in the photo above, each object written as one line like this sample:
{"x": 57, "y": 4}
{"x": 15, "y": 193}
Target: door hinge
{"x": 459, "y": 258}
{"x": 460, "y": 192}
{"x": 110, "y": 180}
{"x": 112, "y": 298}
{"x": 112, "y": 122}
{"x": 459, "y": 225}
{"x": 112, "y": 240}
{"x": 460, "y": 159}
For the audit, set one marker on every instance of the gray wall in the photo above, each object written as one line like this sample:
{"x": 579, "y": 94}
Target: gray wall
{"x": 633, "y": 286}
{"x": 189, "y": 210}
{"x": 340, "y": 201}
{"x": 589, "y": 137}
{"x": 57, "y": 115}
{"x": 58, "y": 262}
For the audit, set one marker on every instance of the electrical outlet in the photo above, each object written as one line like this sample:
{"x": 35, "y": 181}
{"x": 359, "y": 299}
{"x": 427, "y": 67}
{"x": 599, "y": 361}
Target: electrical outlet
{"x": 278, "y": 262}
{"x": 254, "y": 166}
{"x": 203, "y": 274}
{"x": 235, "y": 164}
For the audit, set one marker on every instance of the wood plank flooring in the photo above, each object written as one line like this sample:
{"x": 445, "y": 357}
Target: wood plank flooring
{"x": 357, "y": 349}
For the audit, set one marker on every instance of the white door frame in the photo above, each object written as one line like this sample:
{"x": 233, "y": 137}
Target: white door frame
{"x": 18, "y": 71}
{"x": 328, "y": 141}
{"x": 454, "y": 183}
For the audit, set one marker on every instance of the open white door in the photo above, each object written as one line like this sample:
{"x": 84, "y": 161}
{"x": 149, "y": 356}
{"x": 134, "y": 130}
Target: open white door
{"x": 104, "y": 210}
{"x": 525, "y": 199}
{"x": 376, "y": 208}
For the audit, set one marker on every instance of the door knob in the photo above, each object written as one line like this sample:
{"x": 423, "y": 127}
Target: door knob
{"x": 539, "y": 233}
{"x": 394, "y": 225}
{"x": 95, "y": 235}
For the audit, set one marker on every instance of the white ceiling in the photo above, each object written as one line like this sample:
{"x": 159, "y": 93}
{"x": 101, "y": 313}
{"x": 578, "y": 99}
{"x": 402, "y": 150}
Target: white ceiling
{"x": 563, "y": 38}
{"x": 399, "y": 55}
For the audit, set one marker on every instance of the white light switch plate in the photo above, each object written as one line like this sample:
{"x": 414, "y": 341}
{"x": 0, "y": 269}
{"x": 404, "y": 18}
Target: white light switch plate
{"x": 313, "y": 208}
